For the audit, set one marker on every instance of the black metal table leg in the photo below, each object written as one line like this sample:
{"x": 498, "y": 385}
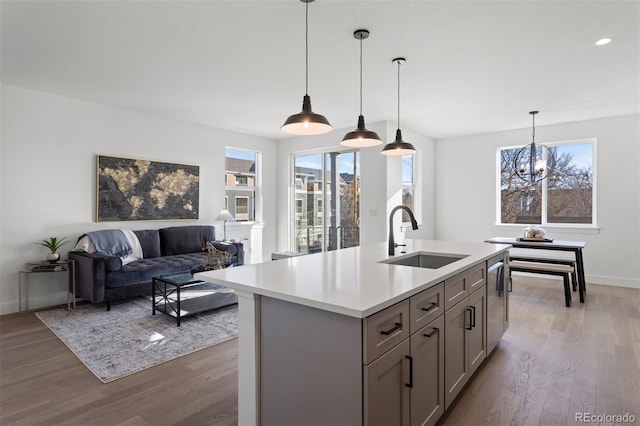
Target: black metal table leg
{"x": 582, "y": 283}
{"x": 153, "y": 301}
{"x": 178, "y": 303}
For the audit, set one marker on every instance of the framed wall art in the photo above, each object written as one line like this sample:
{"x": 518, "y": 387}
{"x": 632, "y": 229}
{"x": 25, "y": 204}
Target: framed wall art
{"x": 129, "y": 189}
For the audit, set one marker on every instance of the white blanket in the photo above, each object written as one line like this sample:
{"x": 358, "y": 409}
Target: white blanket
{"x": 85, "y": 244}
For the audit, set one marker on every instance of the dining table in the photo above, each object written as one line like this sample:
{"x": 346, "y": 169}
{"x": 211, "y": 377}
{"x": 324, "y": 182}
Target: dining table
{"x": 554, "y": 245}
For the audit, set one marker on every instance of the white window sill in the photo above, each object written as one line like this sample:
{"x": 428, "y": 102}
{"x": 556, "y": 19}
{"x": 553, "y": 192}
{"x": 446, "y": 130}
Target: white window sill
{"x": 551, "y": 228}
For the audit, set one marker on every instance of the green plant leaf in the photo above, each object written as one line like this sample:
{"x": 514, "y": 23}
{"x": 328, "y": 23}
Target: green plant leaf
{"x": 53, "y": 243}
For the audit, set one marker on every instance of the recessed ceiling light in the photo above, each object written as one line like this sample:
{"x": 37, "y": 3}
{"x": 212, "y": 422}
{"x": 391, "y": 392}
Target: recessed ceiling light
{"x": 604, "y": 41}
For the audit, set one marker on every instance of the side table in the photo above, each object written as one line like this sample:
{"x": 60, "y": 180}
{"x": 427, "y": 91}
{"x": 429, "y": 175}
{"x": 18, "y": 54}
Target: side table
{"x": 66, "y": 265}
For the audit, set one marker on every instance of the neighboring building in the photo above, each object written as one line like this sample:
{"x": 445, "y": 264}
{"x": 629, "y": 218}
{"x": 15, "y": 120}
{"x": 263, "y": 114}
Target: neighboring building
{"x": 240, "y": 179}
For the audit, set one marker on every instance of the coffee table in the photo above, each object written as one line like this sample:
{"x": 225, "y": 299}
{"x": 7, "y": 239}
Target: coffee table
{"x": 169, "y": 293}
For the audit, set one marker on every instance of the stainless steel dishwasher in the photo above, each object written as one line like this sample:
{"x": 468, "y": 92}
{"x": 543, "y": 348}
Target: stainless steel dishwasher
{"x": 497, "y": 303}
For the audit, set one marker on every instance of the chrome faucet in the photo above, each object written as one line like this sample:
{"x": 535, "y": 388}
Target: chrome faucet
{"x": 414, "y": 225}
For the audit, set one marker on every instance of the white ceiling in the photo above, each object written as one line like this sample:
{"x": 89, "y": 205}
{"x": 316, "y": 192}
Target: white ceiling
{"x": 472, "y": 66}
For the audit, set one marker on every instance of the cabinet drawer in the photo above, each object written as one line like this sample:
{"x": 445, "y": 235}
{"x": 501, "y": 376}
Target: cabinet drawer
{"x": 477, "y": 277}
{"x": 456, "y": 289}
{"x": 426, "y": 306}
{"x": 384, "y": 330}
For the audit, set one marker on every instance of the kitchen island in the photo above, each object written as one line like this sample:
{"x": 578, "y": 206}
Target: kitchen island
{"x": 327, "y": 338}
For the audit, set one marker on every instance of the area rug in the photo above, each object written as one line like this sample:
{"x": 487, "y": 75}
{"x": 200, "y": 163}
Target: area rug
{"x": 128, "y": 339}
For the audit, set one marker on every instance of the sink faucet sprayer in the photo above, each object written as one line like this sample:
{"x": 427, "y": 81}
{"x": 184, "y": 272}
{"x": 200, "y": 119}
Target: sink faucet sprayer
{"x": 414, "y": 225}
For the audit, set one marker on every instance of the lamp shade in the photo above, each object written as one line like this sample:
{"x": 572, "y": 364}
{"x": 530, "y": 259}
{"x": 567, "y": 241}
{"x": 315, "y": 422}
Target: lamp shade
{"x": 226, "y": 216}
{"x": 398, "y": 147}
{"x": 361, "y": 137}
{"x": 306, "y": 122}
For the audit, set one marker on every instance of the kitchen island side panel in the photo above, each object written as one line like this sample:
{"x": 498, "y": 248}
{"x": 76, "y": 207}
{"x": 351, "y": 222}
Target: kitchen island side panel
{"x": 310, "y": 365}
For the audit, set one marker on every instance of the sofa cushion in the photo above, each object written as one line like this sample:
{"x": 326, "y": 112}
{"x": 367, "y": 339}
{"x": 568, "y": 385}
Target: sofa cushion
{"x": 113, "y": 263}
{"x": 144, "y": 270}
{"x": 185, "y": 239}
{"x": 150, "y": 242}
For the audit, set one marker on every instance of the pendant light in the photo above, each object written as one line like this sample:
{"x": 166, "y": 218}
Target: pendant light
{"x": 306, "y": 122}
{"x": 527, "y": 165}
{"x": 398, "y": 147}
{"x": 361, "y": 137}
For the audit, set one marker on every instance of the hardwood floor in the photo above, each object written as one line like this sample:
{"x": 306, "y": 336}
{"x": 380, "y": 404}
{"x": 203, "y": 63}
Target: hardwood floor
{"x": 552, "y": 363}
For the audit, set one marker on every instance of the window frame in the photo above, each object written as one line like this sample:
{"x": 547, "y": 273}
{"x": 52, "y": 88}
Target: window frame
{"x": 557, "y": 226}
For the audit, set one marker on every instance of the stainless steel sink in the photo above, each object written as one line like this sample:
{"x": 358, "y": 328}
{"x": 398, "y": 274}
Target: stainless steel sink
{"x": 425, "y": 260}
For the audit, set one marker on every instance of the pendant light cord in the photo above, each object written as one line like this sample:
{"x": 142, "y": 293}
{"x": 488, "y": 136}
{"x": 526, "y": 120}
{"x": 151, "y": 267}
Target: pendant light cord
{"x": 533, "y": 131}
{"x": 306, "y": 48}
{"x": 360, "y": 75}
{"x": 399, "y": 94}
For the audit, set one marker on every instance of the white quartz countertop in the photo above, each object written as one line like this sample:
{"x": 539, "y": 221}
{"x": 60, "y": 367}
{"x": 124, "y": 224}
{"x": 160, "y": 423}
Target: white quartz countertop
{"x": 351, "y": 281}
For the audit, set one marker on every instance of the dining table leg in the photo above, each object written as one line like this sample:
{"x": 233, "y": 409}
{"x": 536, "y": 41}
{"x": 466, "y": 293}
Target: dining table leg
{"x": 582, "y": 283}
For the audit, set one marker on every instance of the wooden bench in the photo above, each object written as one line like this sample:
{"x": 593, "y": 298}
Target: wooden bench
{"x": 553, "y": 261}
{"x": 563, "y": 271}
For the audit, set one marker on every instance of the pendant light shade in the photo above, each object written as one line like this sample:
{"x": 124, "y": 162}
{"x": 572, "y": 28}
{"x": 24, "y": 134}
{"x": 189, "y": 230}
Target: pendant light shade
{"x": 306, "y": 122}
{"x": 398, "y": 147}
{"x": 361, "y": 137}
{"x": 533, "y": 163}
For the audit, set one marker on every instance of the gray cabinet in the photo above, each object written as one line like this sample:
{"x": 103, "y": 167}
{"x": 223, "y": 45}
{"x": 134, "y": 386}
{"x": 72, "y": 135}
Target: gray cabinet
{"x": 456, "y": 368}
{"x": 460, "y": 286}
{"x": 426, "y": 306}
{"x": 478, "y": 334}
{"x": 465, "y": 331}
{"x": 403, "y": 365}
{"x": 386, "y": 388}
{"x": 427, "y": 393}
{"x": 384, "y": 330}
{"x": 405, "y": 385}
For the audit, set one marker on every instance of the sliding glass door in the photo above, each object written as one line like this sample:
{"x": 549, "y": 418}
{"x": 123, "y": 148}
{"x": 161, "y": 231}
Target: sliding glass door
{"x": 326, "y": 201}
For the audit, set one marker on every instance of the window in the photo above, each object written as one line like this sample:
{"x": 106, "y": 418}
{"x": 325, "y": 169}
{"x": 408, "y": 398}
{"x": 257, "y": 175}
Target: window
{"x": 567, "y": 196}
{"x": 240, "y": 183}
{"x": 408, "y": 185}
{"x": 242, "y": 209}
{"x": 326, "y": 201}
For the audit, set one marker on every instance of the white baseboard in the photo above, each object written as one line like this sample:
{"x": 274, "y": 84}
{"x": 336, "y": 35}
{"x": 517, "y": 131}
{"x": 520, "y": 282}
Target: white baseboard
{"x": 35, "y": 302}
{"x": 613, "y": 281}
{"x": 593, "y": 279}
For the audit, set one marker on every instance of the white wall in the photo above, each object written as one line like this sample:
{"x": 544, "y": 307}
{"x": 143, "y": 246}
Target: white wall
{"x": 466, "y": 179}
{"x": 377, "y": 172}
{"x": 48, "y": 182}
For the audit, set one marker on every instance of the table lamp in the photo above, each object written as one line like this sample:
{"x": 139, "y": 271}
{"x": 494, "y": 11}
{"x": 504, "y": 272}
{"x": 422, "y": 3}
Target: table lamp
{"x": 225, "y": 216}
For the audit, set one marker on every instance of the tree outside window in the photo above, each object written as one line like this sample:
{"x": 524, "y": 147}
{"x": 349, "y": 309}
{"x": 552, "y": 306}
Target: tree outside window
{"x": 566, "y": 196}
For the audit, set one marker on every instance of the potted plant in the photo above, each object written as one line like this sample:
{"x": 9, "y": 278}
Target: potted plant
{"x": 53, "y": 244}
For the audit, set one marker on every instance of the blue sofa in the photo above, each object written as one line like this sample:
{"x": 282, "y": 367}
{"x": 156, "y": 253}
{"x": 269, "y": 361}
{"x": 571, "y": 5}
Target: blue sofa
{"x": 103, "y": 278}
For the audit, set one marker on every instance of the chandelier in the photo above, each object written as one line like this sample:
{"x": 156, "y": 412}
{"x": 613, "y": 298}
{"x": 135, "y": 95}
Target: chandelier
{"x": 533, "y": 163}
